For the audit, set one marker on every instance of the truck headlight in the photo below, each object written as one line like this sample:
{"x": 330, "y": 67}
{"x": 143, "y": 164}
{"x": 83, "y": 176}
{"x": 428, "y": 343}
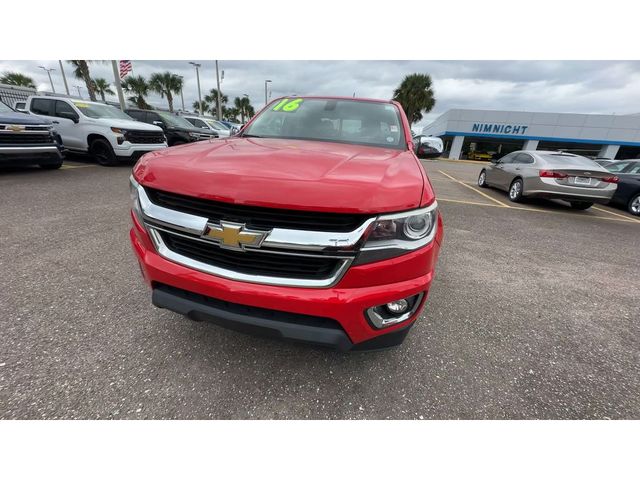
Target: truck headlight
{"x": 134, "y": 188}
{"x": 397, "y": 233}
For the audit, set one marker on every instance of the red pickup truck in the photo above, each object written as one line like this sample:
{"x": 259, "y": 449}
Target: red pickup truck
{"x": 315, "y": 223}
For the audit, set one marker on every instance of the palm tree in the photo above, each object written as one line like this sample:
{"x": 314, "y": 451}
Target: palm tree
{"x": 17, "y": 79}
{"x": 415, "y": 95}
{"x": 231, "y": 114}
{"x": 82, "y": 72}
{"x": 101, "y": 86}
{"x": 212, "y": 98}
{"x": 139, "y": 88}
{"x": 205, "y": 107}
{"x": 244, "y": 108}
{"x": 166, "y": 84}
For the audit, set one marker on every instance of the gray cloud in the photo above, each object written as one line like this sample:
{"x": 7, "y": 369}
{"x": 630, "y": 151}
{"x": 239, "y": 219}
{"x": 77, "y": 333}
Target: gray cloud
{"x": 566, "y": 86}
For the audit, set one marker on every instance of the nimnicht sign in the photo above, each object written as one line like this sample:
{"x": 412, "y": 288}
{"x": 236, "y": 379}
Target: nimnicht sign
{"x": 502, "y": 128}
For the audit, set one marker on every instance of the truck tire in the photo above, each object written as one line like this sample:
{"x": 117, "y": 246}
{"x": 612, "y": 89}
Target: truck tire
{"x": 103, "y": 153}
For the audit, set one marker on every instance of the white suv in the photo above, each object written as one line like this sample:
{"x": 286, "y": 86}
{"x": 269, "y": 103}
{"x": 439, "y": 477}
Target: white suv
{"x": 103, "y": 131}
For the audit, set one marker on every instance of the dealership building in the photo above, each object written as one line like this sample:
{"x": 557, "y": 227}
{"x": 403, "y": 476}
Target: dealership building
{"x": 496, "y": 133}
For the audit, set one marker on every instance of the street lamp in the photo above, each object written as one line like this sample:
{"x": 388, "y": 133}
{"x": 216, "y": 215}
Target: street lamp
{"x": 49, "y": 70}
{"x": 181, "y": 94}
{"x": 78, "y": 87}
{"x": 265, "y": 92}
{"x": 197, "y": 65}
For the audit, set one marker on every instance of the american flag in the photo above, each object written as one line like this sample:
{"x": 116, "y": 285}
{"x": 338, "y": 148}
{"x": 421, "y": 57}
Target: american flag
{"x": 125, "y": 67}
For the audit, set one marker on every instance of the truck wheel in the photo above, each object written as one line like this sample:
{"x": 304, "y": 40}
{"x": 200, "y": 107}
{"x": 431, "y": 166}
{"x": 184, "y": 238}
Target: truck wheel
{"x": 634, "y": 205}
{"x": 482, "y": 179}
{"x": 581, "y": 205}
{"x": 50, "y": 166}
{"x": 101, "y": 150}
{"x": 515, "y": 190}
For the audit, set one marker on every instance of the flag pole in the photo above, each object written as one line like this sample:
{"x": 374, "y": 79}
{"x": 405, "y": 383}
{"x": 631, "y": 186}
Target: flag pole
{"x": 116, "y": 77}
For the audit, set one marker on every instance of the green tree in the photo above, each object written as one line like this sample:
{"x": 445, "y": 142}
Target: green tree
{"x": 138, "y": 88}
{"x": 415, "y": 95}
{"x": 101, "y": 86}
{"x": 205, "y": 107}
{"x": 166, "y": 84}
{"x": 231, "y": 114}
{"x": 244, "y": 107}
{"x": 17, "y": 79}
{"x": 212, "y": 99}
{"x": 81, "y": 71}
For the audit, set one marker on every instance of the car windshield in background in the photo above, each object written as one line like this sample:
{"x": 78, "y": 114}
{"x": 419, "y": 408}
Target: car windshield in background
{"x": 95, "y": 110}
{"x": 571, "y": 160}
{"x": 330, "y": 120}
{"x": 5, "y": 108}
{"x": 175, "y": 121}
{"x": 216, "y": 125}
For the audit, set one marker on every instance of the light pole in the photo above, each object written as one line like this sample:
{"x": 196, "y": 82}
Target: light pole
{"x": 181, "y": 88}
{"x": 219, "y": 102}
{"x": 116, "y": 79}
{"x": 197, "y": 65}
{"x": 49, "y": 70}
{"x": 64, "y": 77}
{"x": 265, "y": 92}
{"x": 78, "y": 87}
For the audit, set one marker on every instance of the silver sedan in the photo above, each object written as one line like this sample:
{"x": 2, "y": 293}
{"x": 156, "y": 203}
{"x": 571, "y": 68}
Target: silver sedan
{"x": 546, "y": 174}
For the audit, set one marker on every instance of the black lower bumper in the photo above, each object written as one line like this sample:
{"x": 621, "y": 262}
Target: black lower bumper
{"x": 261, "y": 321}
{"x": 16, "y": 156}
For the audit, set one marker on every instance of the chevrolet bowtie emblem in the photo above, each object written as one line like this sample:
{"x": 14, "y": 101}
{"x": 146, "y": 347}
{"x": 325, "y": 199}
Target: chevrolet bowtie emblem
{"x": 234, "y": 236}
{"x": 16, "y": 128}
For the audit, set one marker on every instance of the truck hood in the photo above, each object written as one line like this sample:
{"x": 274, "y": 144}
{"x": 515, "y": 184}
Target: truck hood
{"x": 292, "y": 174}
{"x": 125, "y": 124}
{"x": 19, "y": 118}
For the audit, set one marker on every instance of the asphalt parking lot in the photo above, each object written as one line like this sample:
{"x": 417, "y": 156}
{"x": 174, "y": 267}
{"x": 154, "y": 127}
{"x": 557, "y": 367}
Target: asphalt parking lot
{"x": 534, "y": 313}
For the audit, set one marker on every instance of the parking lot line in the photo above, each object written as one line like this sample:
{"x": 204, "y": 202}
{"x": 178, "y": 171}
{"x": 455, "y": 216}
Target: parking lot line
{"x": 630, "y": 219}
{"x": 475, "y": 190}
{"x": 466, "y": 202}
{"x": 72, "y": 166}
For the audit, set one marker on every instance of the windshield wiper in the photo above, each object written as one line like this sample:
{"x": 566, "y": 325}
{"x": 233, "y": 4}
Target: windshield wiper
{"x": 248, "y": 135}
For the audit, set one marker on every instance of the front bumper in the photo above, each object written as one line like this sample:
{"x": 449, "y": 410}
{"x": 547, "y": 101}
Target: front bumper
{"x": 133, "y": 151}
{"x": 24, "y": 155}
{"x": 327, "y": 316}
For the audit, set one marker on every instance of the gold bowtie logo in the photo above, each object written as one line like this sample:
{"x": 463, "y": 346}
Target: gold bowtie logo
{"x": 16, "y": 128}
{"x": 234, "y": 236}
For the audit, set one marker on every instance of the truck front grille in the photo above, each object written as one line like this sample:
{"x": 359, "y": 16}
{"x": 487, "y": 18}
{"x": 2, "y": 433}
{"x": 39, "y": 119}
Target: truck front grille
{"x": 24, "y": 138}
{"x": 257, "y": 217}
{"x": 253, "y": 262}
{"x": 141, "y": 136}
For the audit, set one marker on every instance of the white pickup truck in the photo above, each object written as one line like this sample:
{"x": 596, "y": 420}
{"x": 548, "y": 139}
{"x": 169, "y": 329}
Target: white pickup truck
{"x": 101, "y": 130}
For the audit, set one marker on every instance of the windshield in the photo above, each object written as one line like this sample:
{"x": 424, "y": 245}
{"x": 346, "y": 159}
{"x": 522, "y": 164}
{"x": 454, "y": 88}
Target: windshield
{"x": 570, "y": 160}
{"x": 215, "y": 125}
{"x": 5, "y": 108}
{"x": 174, "y": 120}
{"x": 96, "y": 110}
{"x": 345, "y": 121}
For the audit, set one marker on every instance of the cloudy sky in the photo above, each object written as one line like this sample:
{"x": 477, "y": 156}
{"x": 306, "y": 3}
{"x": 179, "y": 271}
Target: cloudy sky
{"x": 555, "y": 86}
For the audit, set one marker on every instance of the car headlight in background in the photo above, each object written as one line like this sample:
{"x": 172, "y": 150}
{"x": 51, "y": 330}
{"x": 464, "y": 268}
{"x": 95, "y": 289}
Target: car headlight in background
{"x": 194, "y": 135}
{"x": 121, "y": 132}
{"x": 395, "y": 234}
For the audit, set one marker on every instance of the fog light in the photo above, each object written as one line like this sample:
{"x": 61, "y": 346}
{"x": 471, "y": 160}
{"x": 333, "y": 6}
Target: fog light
{"x": 391, "y": 313}
{"x": 398, "y": 307}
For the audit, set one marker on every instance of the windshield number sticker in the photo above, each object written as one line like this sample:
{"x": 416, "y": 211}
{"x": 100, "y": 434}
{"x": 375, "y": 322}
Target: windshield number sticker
{"x": 80, "y": 105}
{"x": 288, "y": 105}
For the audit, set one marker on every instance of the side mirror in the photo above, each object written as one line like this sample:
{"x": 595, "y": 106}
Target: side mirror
{"x": 430, "y": 147}
{"x": 70, "y": 116}
{"x": 158, "y": 123}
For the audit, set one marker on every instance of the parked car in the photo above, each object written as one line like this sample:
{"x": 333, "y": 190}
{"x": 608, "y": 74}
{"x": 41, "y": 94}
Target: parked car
{"x": 28, "y": 140}
{"x": 628, "y": 193}
{"x": 426, "y": 146}
{"x": 478, "y": 155}
{"x": 208, "y": 123}
{"x": 546, "y": 174}
{"x": 317, "y": 223}
{"x": 177, "y": 130}
{"x": 103, "y": 131}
